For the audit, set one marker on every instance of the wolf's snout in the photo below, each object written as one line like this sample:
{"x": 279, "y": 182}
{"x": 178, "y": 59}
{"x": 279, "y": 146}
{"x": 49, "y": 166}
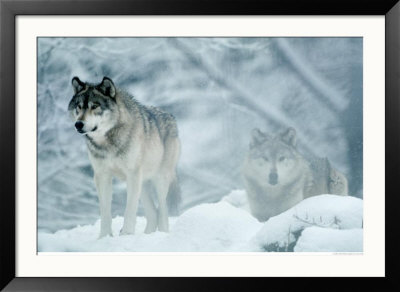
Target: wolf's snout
{"x": 273, "y": 178}
{"x": 79, "y": 126}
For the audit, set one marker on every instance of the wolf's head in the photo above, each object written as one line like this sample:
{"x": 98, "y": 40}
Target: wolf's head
{"x": 275, "y": 160}
{"x": 93, "y": 105}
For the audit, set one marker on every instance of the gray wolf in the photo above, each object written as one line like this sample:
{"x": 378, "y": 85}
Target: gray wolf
{"x": 130, "y": 141}
{"x": 277, "y": 176}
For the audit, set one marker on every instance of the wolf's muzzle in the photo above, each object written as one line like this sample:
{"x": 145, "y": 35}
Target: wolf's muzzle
{"x": 273, "y": 178}
{"x": 79, "y": 126}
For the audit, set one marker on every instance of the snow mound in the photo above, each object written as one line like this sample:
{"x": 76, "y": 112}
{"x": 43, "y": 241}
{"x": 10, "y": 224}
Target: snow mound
{"x": 280, "y": 233}
{"x": 85, "y": 239}
{"x": 317, "y": 239}
{"x": 215, "y": 227}
{"x": 237, "y": 198}
{"x": 323, "y": 223}
{"x": 207, "y": 227}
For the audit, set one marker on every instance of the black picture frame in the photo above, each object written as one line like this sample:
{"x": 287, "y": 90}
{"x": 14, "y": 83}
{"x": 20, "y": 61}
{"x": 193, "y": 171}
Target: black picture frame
{"x": 10, "y": 9}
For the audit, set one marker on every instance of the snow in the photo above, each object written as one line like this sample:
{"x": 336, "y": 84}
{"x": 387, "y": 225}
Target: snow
{"x": 207, "y": 227}
{"x": 327, "y": 223}
{"x": 325, "y": 211}
{"x": 238, "y": 199}
{"x": 317, "y": 239}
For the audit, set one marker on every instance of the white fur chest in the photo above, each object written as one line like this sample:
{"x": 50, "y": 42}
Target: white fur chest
{"x": 115, "y": 166}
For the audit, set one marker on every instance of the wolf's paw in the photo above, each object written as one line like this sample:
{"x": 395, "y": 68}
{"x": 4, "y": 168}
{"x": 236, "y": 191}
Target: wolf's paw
{"x": 163, "y": 228}
{"x": 126, "y": 232}
{"x": 102, "y": 235}
{"x": 163, "y": 225}
{"x": 150, "y": 229}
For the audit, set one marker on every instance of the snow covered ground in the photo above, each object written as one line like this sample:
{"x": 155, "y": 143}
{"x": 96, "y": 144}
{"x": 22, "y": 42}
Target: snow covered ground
{"x": 325, "y": 223}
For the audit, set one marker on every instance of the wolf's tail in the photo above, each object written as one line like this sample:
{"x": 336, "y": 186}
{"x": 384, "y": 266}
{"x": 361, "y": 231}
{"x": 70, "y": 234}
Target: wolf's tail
{"x": 174, "y": 198}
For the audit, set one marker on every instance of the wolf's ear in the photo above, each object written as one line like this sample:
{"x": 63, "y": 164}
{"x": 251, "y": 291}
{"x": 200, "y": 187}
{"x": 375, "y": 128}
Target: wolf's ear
{"x": 289, "y": 137}
{"x": 77, "y": 85}
{"x": 257, "y": 137}
{"x": 107, "y": 87}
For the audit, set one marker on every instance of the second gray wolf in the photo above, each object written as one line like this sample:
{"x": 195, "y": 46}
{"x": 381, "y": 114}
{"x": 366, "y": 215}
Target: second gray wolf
{"x": 277, "y": 176}
{"x": 130, "y": 141}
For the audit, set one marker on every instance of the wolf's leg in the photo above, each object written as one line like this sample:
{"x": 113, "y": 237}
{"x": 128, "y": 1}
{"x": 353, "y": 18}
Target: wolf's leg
{"x": 162, "y": 186}
{"x": 103, "y": 183}
{"x": 134, "y": 188}
{"x": 165, "y": 177}
{"x": 149, "y": 210}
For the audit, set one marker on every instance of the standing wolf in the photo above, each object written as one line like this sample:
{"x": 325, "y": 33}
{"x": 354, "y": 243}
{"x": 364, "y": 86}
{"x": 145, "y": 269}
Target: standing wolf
{"x": 277, "y": 176}
{"x": 130, "y": 141}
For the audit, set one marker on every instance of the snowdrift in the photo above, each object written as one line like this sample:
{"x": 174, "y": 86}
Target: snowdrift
{"x": 311, "y": 224}
{"x": 325, "y": 223}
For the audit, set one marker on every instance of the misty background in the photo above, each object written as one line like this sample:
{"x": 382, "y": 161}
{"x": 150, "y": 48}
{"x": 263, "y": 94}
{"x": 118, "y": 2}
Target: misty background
{"x": 218, "y": 89}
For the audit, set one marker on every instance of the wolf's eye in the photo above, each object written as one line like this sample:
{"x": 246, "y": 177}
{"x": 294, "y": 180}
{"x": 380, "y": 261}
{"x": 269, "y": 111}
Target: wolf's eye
{"x": 94, "y": 106}
{"x": 79, "y": 107}
{"x": 282, "y": 158}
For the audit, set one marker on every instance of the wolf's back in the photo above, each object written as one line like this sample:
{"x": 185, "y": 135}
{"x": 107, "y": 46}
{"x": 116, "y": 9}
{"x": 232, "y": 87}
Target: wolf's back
{"x": 326, "y": 179}
{"x": 165, "y": 122}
